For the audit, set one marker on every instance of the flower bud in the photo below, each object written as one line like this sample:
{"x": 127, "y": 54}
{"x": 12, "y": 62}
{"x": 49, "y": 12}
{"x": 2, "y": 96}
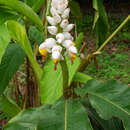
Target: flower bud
{"x": 43, "y": 49}
{"x": 52, "y": 30}
{"x": 50, "y": 42}
{"x": 68, "y": 36}
{"x": 72, "y": 51}
{"x": 65, "y": 14}
{"x": 51, "y": 21}
{"x": 68, "y": 43}
{"x": 64, "y": 23}
{"x": 56, "y": 56}
{"x": 60, "y": 37}
{"x": 57, "y": 48}
{"x": 68, "y": 28}
{"x": 55, "y": 15}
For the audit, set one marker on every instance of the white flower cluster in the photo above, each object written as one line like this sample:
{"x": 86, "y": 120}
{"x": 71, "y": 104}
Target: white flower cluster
{"x": 60, "y": 28}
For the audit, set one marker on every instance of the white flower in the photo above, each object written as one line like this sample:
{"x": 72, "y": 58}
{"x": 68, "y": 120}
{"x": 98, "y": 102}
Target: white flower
{"x": 51, "y": 20}
{"x": 60, "y": 37}
{"x": 56, "y": 56}
{"x": 64, "y": 23}
{"x": 72, "y": 51}
{"x": 68, "y": 36}
{"x": 68, "y": 28}
{"x": 55, "y": 15}
{"x": 52, "y": 30}
{"x": 43, "y": 49}
{"x": 59, "y": 5}
{"x": 65, "y": 14}
{"x": 57, "y": 48}
{"x": 68, "y": 43}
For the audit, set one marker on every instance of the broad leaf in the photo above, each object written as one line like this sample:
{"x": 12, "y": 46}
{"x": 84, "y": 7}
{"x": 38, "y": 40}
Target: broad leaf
{"x": 8, "y": 107}
{"x": 110, "y": 99}
{"x": 51, "y": 118}
{"x": 4, "y": 39}
{"x": 12, "y": 59}
{"x": 6, "y": 14}
{"x": 24, "y": 10}
{"x": 18, "y": 33}
{"x": 81, "y": 77}
{"x": 100, "y": 21}
{"x": 51, "y": 83}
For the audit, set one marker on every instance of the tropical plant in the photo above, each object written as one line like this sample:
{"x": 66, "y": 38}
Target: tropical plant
{"x": 64, "y": 98}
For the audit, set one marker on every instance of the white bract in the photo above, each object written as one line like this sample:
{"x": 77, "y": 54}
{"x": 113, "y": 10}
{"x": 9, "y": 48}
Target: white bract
{"x": 60, "y": 37}
{"x": 60, "y": 28}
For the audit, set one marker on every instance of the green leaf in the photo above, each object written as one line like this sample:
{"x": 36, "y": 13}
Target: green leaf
{"x": 4, "y": 39}
{"x": 18, "y": 33}
{"x": 75, "y": 9}
{"x": 35, "y": 35}
{"x": 8, "y": 106}
{"x": 97, "y": 122}
{"x": 39, "y": 3}
{"x": 6, "y": 14}
{"x": 81, "y": 77}
{"x": 126, "y": 35}
{"x": 51, "y": 83}
{"x": 100, "y": 24}
{"x": 51, "y": 118}
{"x": 79, "y": 40}
{"x": 12, "y": 59}
{"x": 111, "y": 99}
{"x": 24, "y": 10}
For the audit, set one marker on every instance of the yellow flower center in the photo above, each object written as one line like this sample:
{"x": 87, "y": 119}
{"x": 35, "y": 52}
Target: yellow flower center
{"x": 43, "y": 51}
{"x": 73, "y": 56}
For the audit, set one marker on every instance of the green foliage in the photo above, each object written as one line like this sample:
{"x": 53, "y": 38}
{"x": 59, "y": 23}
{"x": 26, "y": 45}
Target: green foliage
{"x": 100, "y": 21}
{"x": 109, "y": 99}
{"x": 35, "y": 35}
{"x": 81, "y": 77}
{"x": 75, "y": 9}
{"x": 18, "y": 33}
{"x": 51, "y": 83}
{"x": 8, "y": 107}
{"x": 6, "y": 14}
{"x": 51, "y": 118}
{"x": 36, "y": 5}
{"x": 79, "y": 40}
{"x": 4, "y": 39}
{"x": 12, "y": 59}
{"x": 24, "y": 10}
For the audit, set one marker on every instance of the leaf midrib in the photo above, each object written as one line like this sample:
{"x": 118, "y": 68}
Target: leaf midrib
{"x": 109, "y": 101}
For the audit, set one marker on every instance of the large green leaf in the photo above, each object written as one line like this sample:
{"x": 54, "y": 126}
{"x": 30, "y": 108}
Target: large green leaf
{"x": 100, "y": 21}
{"x": 8, "y": 106}
{"x": 24, "y": 10}
{"x": 4, "y": 39}
{"x": 18, "y": 33}
{"x": 51, "y": 83}
{"x": 12, "y": 59}
{"x": 51, "y": 119}
{"x": 6, "y": 14}
{"x": 111, "y": 99}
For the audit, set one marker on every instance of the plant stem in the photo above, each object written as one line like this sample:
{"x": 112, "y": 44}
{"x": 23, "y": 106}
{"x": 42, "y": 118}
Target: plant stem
{"x": 114, "y": 33}
{"x": 85, "y": 62}
{"x": 65, "y": 115}
{"x": 48, "y": 3}
{"x": 65, "y": 74}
